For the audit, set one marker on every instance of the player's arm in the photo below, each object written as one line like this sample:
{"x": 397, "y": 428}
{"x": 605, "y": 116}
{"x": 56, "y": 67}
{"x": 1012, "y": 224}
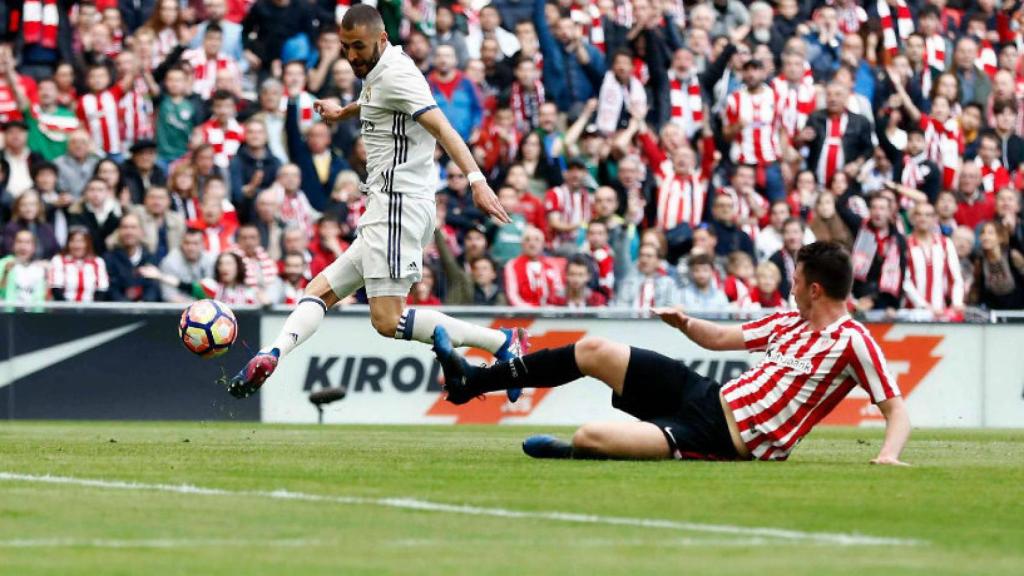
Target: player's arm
{"x": 705, "y": 334}
{"x": 897, "y": 431}
{"x": 331, "y": 111}
{"x": 434, "y": 121}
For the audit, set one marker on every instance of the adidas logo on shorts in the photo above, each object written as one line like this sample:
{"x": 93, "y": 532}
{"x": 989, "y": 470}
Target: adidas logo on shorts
{"x": 413, "y": 267}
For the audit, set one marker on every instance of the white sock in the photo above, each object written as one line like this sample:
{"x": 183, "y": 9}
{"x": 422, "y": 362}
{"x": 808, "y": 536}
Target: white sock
{"x": 300, "y": 324}
{"x": 419, "y": 323}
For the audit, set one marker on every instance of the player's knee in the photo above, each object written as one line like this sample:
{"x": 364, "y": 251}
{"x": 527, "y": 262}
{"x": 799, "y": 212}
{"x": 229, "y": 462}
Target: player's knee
{"x": 589, "y": 438}
{"x": 589, "y": 350}
{"x": 385, "y": 324}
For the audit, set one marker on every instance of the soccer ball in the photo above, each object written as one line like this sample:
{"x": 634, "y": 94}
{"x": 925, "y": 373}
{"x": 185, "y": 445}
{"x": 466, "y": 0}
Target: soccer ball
{"x": 208, "y": 328}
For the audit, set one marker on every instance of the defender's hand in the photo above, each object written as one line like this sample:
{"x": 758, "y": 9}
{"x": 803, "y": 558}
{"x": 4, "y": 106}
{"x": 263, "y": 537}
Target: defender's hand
{"x": 674, "y": 317}
{"x": 485, "y": 200}
{"x": 328, "y": 110}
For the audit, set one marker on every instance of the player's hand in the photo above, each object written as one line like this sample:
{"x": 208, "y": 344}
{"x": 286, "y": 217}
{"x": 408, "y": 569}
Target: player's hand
{"x": 674, "y": 317}
{"x": 889, "y": 461}
{"x": 485, "y": 200}
{"x": 328, "y": 110}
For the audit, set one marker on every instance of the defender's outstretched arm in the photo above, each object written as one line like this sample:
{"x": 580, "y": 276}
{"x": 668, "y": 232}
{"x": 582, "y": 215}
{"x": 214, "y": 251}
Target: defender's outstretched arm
{"x": 706, "y": 334}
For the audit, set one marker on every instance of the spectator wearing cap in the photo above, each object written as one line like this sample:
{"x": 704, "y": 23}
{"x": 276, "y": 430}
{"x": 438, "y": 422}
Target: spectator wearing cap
{"x": 837, "y": 139}
{"x": 573, "y": 69}
{"x": 27, "y": 214}
{"x": 253, "y": 169}
{"x": 141, "y": 171}
{"x": 188, "y": 262}
{"x": 454, "y": 93}
{"x": 97, "y": 211}
{"x": 18, "y": 157}
{"x": 533, "y": 279}
{"x": 124, "y": 261}
{"x": 568, "y": 208}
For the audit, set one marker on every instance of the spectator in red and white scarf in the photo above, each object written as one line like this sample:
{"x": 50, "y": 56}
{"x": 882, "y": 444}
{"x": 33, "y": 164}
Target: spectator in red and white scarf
{"x": 210, "y": 61}
{"x": 100, "y": 112}
{"x": 260, "y": 269}
{"x": 879, "y": 255}
{"x": 222, "y": 131}
{"x": 526, "y": 95}
{"x": 578, "y": 282}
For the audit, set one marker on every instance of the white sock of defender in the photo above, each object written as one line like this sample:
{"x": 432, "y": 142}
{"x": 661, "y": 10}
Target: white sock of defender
{"x": 419, "y": 323}
{"x": 300, "y": 324}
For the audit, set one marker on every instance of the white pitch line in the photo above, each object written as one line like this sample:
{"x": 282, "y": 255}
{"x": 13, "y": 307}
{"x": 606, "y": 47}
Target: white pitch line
{"x": 833, "y": 538}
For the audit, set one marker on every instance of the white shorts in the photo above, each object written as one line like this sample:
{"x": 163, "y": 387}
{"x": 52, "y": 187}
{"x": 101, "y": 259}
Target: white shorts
{"x": 387, "y": 256}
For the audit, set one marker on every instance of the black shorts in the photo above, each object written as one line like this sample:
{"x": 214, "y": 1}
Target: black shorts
{"x": 683, "y": 404}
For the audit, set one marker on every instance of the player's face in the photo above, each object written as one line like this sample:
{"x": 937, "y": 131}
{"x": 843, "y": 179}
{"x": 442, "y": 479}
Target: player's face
{"x": 362, "y": 48}
{"x": 801, "y": 292}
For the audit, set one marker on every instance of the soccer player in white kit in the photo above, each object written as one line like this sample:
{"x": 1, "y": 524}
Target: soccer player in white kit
{"x": 400, "y": 125}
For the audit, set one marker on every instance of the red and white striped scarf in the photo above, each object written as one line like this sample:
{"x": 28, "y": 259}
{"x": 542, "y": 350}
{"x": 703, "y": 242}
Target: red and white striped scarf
{"x": 895, "y": 32}
{"x": 101, "y": 115}
{"x": 935, "y": 52}
{"x": 931, "y": 272}
{"x": 136, "y": 114}
{"x": 304, "y": 104}
{"x": 851, "y": 17}
{"x": 526, "y": 110}
{"x": 866, "y": 246}
{"x": 54, "y": 127}
{"x": 224, "y": 140}
{"x": 588, "y": 16}
{"x": 987, "y": 61}
{"x": 681, "y": 201}
{"x": 686, "y": 102}
{"x": 39, "y": 23}
{"x": 205, "y": 70}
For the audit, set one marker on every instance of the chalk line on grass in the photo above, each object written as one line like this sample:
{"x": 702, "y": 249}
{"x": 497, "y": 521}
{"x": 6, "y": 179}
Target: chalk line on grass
{"x": 780, "y": 534}
{"x": 169, "y": 543}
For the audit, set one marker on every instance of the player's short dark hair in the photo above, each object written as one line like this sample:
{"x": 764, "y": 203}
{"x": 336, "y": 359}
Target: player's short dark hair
{"x": 989, "y": 135}
{"x": 793, "y": 220}
{"x": 999, "y": 106}
{"x": 223, "y": 95}
{"x": 362, "y": 15}
{"x": 828, "y": 265}
{"x": 579, "y": 260}
{"x": 700, "y": 260}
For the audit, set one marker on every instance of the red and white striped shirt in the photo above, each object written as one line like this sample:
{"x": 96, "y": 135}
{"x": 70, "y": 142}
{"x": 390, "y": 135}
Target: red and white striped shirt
{"x": 757, "y": 142}
{"x": 205, "y": 70}
{"x": 101, "y": 114}
{"x": 945, "y": 145}
{"x": 297, "y": 210}
{"x": 136, "y": 115}
{"x": 686, "y": 102}
{"x": 795, "y": 101}
{"x": 574, "y": 207}
{"x": 225, "y": 140}
{"x": 260, "y": 270}
{"x": 681, "y": 199}
{"x": 80, "y": 279}
{"x": 895, "y": 30}
{"x": 802, "y": 377}
{"x": 933, "y": 279}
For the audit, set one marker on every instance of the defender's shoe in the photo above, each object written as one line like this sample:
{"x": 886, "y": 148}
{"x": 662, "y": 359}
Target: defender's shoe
{"x": 457, "y": 371}
{"x": 256, "y": 371}
{"x": 517, "y": 343}
{"x": 544, "y": 446}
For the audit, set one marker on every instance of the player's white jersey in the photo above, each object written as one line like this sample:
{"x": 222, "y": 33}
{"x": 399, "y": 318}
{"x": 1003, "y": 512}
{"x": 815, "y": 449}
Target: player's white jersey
{"x": 399, "y": 152}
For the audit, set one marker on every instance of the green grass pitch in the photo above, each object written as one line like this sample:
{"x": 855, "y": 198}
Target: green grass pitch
{"x": 958, "y": 510}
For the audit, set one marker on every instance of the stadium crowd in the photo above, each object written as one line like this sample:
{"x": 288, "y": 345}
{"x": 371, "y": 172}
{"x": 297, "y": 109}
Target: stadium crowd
{"x": 652, "y": 152}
